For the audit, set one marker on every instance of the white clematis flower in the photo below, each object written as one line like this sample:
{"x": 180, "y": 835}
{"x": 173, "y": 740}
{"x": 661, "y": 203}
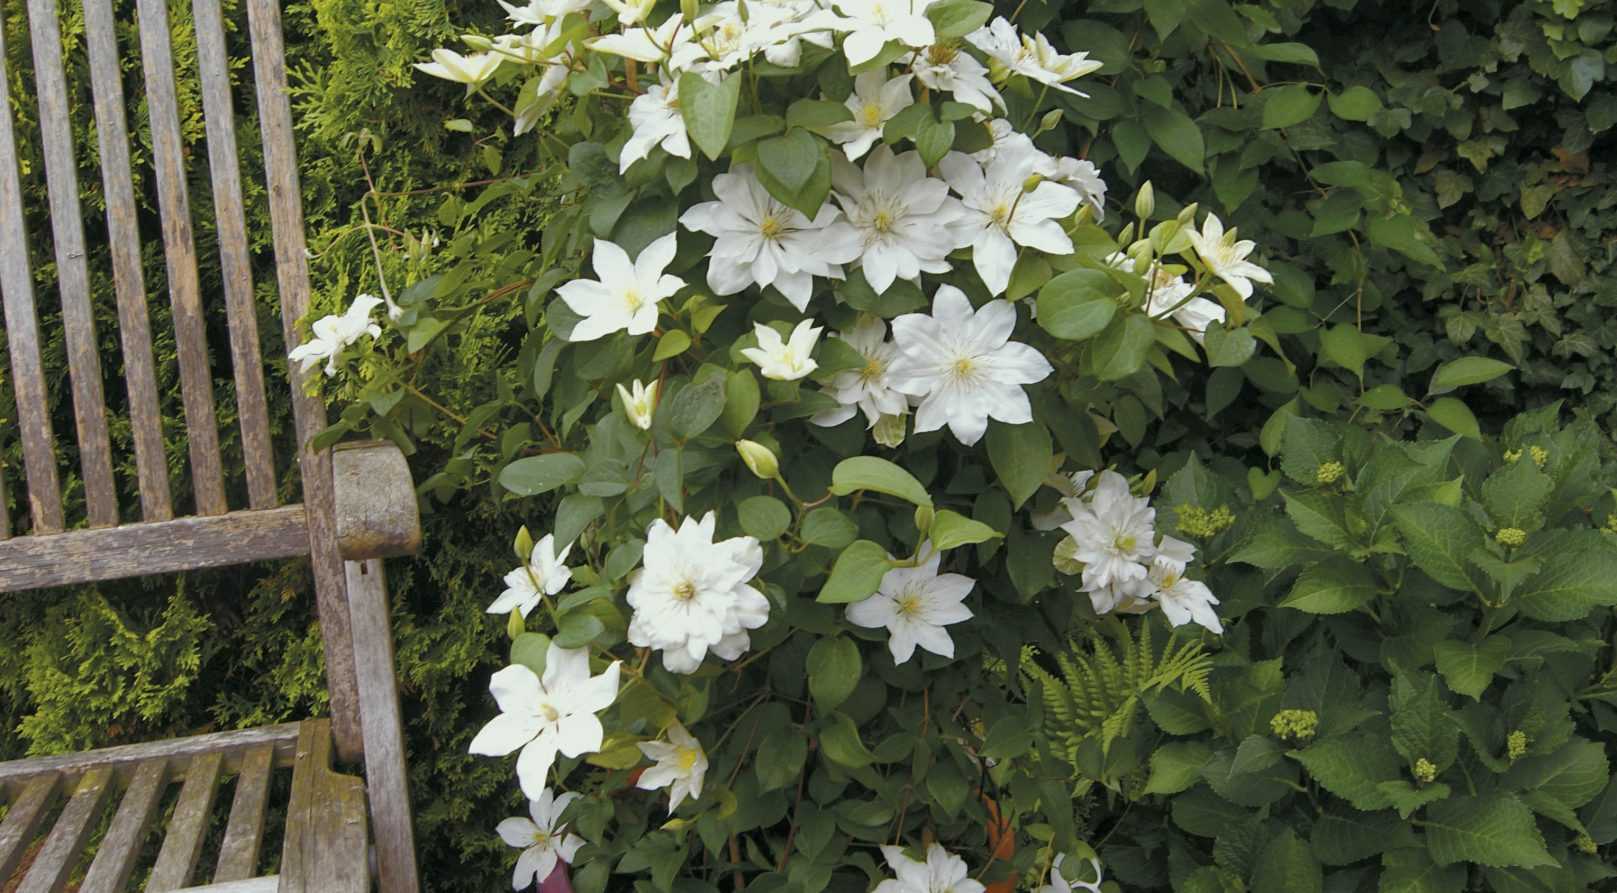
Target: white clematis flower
{"x": 942, "y": 872}
{"x": 762, "y": 242}
{"x": 546, "y": 716}
{"x": 626, "y": 296}
{"x": 691, "y": 595}
{"x": 1225, "y": 257}
{"x": 728, "y": 35}
{"x": 644, "y": 44}
{"x": 958, "y": 73}
{"x": 543, "y": 12}
{"x": 546, "y": 573}
{"x": 1114, "y": 533}
{"x": 681, "y": 766}
{"x": 639, "y": 403}
{"x": 330, "y": 335}
{"x": 963, "y": 366}
{"x": 1169, "y": 295}
{"x": 1031, "y": 56}
{"x": 543, "y": 839}
{"x": 1060, "y": 884}
{"x": 1002, "y": 214}
{"x": 904, "y": 218}
{"x": 471, "y": 70}
{"x": 1183, "y": 600}
{"x": 915, "y": 604}
{"x": 656, "y": 121}
{"x": 866, "y": 389}
{"x": 787, "y": 360}
{"x": 872, "y": 23}
{"x": 874, "y": 102}
{"x": 630, "y": 12}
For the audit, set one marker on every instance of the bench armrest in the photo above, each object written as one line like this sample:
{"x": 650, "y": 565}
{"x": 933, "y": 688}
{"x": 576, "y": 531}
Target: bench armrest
{"x": 377, "y": 515}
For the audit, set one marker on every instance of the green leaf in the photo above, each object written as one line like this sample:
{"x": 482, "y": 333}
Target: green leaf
{"x": 1121, "y": 349}
{"x": 764, "y": 517}
{"x": 790, "y": 158}
{"x": 953, "y": 19}
{"x": 578, "y": 629}
{"x": 856, "y": 575}
{"x": 1176, "y": 134}
{"x": 1439, "y": 540}
{"x": 1400, "y": 233}
{"x": 1497, "y": 830}
{"x": 816, "y": 113}
{"x": 1423, "y": 727}
{"x": 1319, "y": 515}
{"x": 1021, "y": 456}
{"x": 696, "y": 407}
{"x": 1177, "y": 766}
{"x": 1288, "y": 106}
{"x": 839, "y": 741}
{"x": 1468, "y": 667}
{"x": 1514, "y": 494}
{"x": 1411, "y": 870}
{"x": 933, "y": 139}
{"x": 880, "y": 475}
{"x": 951, "y": 530}
{"x": 529, "y": 650}
{"x": 1453, "y": 414}
{"x": 1285, "y": 865}
{"x": 709, "y": 111}
{"x": 673, "y": 343}
{"x": 1582, "y": 576}
{"x": 533, "y": 475}
{"x": 1351, "y": 767}
{"x": 833, "y": 667}
{"x": 741, "y": 398}
{"x": 1228, "y": 347}
{"x": 1573, "y": 775}
{"x": 1466, "y": 371}
{"x": 780, "y": 758}
{"x": 825, "y": 526}
{"x": 1349, "y": 348}
{"x": 1356, "y": 103}
{"x": 1305, "y": 445}
{"x": 1333, "y": 587}
{"x": 1077, "y": 304}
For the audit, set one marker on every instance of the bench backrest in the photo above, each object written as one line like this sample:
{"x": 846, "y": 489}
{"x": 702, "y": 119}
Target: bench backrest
{"x": 49, "y": 542}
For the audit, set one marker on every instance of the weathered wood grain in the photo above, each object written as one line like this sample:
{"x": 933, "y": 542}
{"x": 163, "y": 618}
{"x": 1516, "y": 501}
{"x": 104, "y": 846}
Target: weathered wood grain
{"x": 377, "y": 516}
{"x": 60, "y": 854}
{"x": 182, "y": 840}
{"x": 238, "y": 855}
{"x": 324, "y": 850}
{"x": 24, "y": 814}
{"x": 115, "y": 857}
{"x": 124, "y": 240}
{"x": 224, "y": 169}
{"x": 392, "y": 821}
{"x": 158, "y": 547}
{"x": 22, "y": 329}
{"x": 124, "y": 759}
{"x": 179, "y": 253}
{"x": 292, "y": 276}
{"x": 269, "y": 884}
{"x": 72, "y": 270}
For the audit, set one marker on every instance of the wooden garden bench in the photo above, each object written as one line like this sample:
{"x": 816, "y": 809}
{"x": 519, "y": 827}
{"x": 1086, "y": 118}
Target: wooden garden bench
{"x": 358, "y": 504}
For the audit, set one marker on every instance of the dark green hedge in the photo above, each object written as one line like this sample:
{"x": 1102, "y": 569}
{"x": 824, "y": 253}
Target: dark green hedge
{"x": 1437, "y": 173}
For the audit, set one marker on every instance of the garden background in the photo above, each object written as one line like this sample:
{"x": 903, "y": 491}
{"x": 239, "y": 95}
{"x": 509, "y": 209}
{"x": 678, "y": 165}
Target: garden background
{"x": 1428, "y": 181}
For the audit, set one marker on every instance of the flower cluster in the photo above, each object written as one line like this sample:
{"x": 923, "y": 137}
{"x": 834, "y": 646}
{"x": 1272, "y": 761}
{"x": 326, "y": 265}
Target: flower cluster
{"x": 1124, "y": 565}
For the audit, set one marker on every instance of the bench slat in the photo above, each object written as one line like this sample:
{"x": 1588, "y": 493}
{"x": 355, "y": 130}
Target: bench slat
{"x": 72, "y": 270}
{"x": 60, "y": 853}
{"x": 116, "y": 856}
{"x": 238, "y": 855}
{"x": 283, "y": 738}
{"x": 182, "y": 841}
{"x": 22, "y": 820}
{"x": 185, "y": 292}
{"x": 129, "y": 283}
{"x": 22, "y": 329}
{"x": 159, "y": 547}
{"x": 325, "y": 849}
{"x": 224, "y": 167}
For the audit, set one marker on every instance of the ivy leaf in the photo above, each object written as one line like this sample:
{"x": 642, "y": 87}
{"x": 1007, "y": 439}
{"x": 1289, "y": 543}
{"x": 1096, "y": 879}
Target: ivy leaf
{"x": 709, "y": 111}
{"x": 856, "y": 575}
{"x": 1496, "y": 830}
{"x": 880, "y": 475}
{"x": 1021, "y": 456}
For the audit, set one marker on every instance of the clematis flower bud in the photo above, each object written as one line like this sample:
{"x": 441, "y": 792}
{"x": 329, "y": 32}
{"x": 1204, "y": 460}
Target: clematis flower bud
{"x": 760, "y": 461}
{"x": 1145, "y": 201}
{"x": 1032, "y": 182}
